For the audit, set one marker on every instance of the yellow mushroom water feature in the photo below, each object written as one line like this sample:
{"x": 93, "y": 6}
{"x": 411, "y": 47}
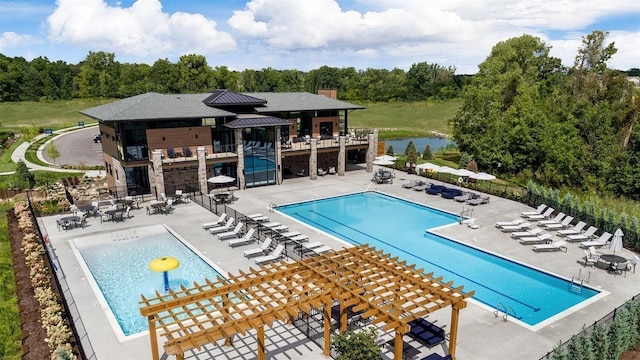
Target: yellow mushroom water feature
{"x": 164, "y": 265}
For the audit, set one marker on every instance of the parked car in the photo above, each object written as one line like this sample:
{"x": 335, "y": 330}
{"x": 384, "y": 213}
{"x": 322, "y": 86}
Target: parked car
{"x": 97, "y": 138}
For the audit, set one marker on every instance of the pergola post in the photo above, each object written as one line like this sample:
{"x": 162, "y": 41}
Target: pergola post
{"x": 453, "y": 334}
{"x": 225, "y": 302}
{"x": 153, "y": 338}
{"x": 398, "y": 345}
{"x": 327, "y": 329}
{"x": 261, "y": 347}
{"x": 343, "y": 318}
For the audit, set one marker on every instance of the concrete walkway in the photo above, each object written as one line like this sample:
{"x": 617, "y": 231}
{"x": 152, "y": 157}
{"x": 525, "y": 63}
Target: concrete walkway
{"x": 481, "y": 334}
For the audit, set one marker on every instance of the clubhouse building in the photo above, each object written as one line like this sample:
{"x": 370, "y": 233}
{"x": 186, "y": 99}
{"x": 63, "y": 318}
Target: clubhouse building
{"x": 157, "y": 143}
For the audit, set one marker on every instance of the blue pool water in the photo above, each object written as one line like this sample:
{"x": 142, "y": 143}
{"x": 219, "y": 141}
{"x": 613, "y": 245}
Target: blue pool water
{"x": 398, "y": 227}
{"x": 121, "y": 271}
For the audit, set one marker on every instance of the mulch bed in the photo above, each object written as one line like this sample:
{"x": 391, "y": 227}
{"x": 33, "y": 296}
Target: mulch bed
{"x": 33, "y": 335}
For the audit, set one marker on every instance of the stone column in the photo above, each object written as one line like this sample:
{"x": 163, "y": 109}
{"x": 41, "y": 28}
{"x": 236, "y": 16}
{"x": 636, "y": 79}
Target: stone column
{"x": 202, "y": 169}
{"x": 158, "y": 174}
{"x": 371, "y": 151}
{"x": 278, "y": 155}
{"x": 240, "y": 152}
{"x": 313, "y": 159}
{"x": 342, "y": 155}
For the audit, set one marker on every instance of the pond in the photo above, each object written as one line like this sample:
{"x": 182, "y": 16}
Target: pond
{"x": 421, "y": 143}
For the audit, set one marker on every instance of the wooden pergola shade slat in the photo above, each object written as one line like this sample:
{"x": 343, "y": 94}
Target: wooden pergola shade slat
{"x": 386, "y": 290}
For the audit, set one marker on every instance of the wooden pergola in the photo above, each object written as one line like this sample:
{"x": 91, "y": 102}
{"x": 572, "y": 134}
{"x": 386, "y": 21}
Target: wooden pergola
{"x": 384, "y": 289}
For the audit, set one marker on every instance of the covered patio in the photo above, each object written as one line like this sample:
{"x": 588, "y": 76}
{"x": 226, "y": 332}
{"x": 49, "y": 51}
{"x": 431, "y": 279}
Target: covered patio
{"x": 385, "y": 291}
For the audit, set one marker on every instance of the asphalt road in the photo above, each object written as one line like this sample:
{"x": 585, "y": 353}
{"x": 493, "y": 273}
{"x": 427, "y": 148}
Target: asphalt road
{"x": 78, "y": 148}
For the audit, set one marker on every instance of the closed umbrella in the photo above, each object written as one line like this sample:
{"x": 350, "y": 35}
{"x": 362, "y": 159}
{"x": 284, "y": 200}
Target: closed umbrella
{"x": 616, "y": 241}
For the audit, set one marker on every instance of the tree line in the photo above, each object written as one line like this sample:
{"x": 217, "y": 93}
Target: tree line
{"x": 526, "y": 115}
{"x": 100, "y": 75}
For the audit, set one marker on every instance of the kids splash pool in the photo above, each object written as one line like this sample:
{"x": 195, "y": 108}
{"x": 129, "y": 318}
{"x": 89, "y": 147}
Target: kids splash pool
{"x": 397, "y": 226}
{"x": 117, "y": 267}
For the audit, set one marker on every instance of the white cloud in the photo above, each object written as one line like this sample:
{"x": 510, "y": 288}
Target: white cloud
{"x": 459, "y": 33}
{"x": 142, "y": 30}
{"x": 10, "y": 39}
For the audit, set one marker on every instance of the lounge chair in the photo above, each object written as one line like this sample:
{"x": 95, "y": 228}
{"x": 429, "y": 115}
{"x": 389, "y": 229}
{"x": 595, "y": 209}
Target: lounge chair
{"x": 300, "y": 172}
{"x": 186, "y": 152}
{"x": 436, "y": 356}
{"x": 585, "y": 236}
{"x": 479, "y": 200}
{"x": 258, "y": 218}
{"x": 556, "y": 246}
{"x": 509, "y": 223}
{"x": 512, "y": 228}
{"x": 260, "y": 250}
{"x": 332, "y": 170}
{"x": 577, "y": 229}
{"x": 322, "y": 172}
{"x": 521, "y": 234}
{"x": 322, "y": 249}
{"x": 171, "y": 153}
{"x": 275, "y": 255}
{"x": 410, "y": 184}
{"x": 223, "y": 228}
{"x": 555, "y": 220}
{"x": 245, "y": 240}
{"x": 464, "y": 197}
{"x": 539, "y": 239}
{"x": 538, "y": 211}
{"x": 563, "y": 225}
{"x": 544, "y": 215}
{"x": 231, "y": 234}
{"x": 598, "y": 243}
{"x": 215, "y": 223}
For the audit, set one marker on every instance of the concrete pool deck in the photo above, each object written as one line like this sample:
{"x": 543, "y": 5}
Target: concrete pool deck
{"x": 481, "y": 334}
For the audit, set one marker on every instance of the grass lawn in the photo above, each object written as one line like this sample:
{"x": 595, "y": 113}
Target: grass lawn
{"x": 406, "y": 119}
{"x": 52, "y": 114}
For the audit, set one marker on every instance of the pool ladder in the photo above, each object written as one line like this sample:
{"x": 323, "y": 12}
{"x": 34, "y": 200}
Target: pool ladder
{"x": 576, "y": 285}
{"x": 272, "y": 206}
{"x": 506, "y": 310}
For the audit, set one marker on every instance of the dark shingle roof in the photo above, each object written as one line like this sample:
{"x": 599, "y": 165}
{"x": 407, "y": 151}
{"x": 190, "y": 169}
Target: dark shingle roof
{"x": 227, "y": 98}
{"x": 156, "y": 106}
{"x": 300, "y": 101}
{"x": 250, "y": 121}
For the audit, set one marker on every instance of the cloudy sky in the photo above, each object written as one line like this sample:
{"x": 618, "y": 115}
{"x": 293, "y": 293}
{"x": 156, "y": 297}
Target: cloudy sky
{"x": 306, "y": 34}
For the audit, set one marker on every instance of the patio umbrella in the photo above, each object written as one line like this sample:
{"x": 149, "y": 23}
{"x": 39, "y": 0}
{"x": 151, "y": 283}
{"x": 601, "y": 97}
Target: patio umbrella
{"x": 616, "y": 241}
{"x": 386, "y": 157}
{"x": 221, "y": 179}
{"x": 463, "y": 172}
{"x": 383, "y": 162}
{"x": 483, "y": 176}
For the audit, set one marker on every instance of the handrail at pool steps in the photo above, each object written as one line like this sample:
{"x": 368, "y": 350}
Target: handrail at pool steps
{"x": 505, "y": 311}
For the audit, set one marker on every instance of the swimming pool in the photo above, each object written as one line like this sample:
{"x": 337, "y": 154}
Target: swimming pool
{"x": 398, "y": 227}
{"x": 119, "y": 271}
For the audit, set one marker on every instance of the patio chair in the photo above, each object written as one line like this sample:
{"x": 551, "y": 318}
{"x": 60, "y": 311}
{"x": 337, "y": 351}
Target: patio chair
{"x": 588, "y": 259}
{"x": 260, "y": 250}
{"x": 245, "y": 240}
{"x": 618, "y": 268}
{"x": 598, "y": 243}
{"x": 231, "y": 234}
{"x": 332, "y": 170}
{"x": 322, "y": 172}
{"x": 538, "y": 239}
{"x": 171, "y": 153}
{"x": 275, "y": 255}
{"x": 300, "y": 172}
{"x": 556, "y": 246}
{"x": 187, "y": 152}
{"x": 577, "y": 229}
{"x": 435, "y": 356}
{"x": 538, "y": 211}
{"x": 221, "y": 219}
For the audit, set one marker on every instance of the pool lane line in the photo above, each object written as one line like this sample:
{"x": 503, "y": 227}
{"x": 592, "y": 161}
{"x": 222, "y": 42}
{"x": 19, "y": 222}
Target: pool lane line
{"x": 535, "y": 309}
